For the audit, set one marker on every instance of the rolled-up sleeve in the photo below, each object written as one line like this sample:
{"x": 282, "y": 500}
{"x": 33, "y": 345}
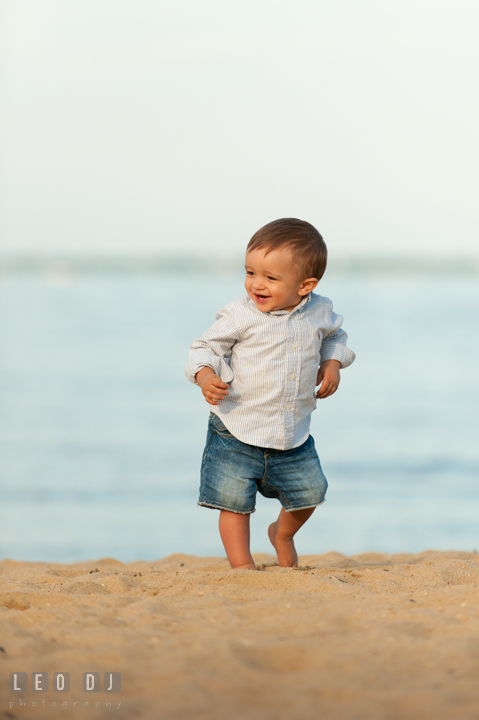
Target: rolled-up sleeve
{"x": 213, "y": 349}
{"x": 333, "y": 346}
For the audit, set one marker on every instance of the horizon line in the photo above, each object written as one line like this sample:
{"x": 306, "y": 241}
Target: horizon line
{"x": 85, "y": 264}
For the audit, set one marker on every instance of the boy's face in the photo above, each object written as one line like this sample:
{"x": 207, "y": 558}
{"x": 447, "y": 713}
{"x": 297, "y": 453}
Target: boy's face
{"x": 273, "y": 281}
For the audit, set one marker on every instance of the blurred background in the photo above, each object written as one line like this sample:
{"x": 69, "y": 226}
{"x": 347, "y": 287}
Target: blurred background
{"x": 143, "y": 143}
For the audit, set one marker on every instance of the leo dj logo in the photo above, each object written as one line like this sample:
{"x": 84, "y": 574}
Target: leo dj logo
{"x": 61, "y": 682}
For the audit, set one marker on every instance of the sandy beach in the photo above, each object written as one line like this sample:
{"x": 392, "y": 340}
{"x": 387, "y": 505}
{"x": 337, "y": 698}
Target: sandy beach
{"x": 366, "y": 636}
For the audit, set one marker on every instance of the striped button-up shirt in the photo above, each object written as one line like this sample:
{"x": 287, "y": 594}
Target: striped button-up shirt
{"x": 270, "y": 361}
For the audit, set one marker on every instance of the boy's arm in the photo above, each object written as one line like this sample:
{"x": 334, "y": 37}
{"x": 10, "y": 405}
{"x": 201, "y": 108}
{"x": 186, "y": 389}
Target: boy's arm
{"x": 212, "y": 350}
{"x": 333, "y": 346}
{"x": 334, "y": 356}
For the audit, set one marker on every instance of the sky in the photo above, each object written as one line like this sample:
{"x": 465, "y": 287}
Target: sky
{"x": 157, "y": 127}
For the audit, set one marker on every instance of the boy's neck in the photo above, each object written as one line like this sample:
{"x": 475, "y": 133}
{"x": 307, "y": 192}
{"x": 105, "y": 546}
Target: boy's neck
{"x": 301, "y": 302}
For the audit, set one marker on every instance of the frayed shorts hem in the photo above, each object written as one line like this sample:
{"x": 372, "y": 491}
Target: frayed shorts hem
{"x": 304, "y": 507}
{"x": 222, "y": 507}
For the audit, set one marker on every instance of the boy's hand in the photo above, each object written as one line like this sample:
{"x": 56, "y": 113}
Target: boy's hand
{"x": 212, "y": 386}
{"x": 328, "y": 378}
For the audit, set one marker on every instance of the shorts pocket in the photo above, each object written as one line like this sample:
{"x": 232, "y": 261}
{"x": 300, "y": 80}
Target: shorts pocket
{"x": 219, "y": 426}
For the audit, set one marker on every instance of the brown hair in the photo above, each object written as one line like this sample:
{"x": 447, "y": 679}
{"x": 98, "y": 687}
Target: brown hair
{"x": 307, "y": 245}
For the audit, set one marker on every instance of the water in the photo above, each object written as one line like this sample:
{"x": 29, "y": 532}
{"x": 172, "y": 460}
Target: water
{"x": 101, "y": 435}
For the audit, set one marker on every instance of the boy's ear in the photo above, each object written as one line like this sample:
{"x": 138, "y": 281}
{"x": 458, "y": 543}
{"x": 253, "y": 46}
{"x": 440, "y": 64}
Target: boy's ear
{"x": 307, "y": 286}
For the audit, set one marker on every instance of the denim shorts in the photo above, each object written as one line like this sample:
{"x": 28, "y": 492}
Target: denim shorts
{"x": 232, "y": 473}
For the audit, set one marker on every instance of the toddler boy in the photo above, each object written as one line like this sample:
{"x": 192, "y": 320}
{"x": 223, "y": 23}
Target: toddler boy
{"x": 258, "y": 366}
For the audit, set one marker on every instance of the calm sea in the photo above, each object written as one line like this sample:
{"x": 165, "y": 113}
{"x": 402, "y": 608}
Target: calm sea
{"x": 101, "y": 435}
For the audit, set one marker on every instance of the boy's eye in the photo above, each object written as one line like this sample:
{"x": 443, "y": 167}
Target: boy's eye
{"x": 271, "y": 278}
{"x": 248, "y": 272}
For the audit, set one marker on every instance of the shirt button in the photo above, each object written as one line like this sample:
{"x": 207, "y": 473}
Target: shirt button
{"x": 288, "y": 406}
{"x": 291, "y": 377}
{"x": 293, "y": 345}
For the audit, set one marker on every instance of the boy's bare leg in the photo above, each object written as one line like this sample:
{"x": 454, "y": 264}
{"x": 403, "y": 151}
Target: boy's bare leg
{"x": 234, "y": 531}
{"x": 282, "y": 531}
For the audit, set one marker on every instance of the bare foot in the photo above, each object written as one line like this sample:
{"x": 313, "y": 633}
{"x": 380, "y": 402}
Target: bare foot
{"x": 248, "y": 566}
{"x": 285, "y": 550}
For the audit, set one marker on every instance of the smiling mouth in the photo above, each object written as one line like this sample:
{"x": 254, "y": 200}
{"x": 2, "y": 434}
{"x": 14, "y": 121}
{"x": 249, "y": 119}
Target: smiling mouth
{"x": 262, "y": 298}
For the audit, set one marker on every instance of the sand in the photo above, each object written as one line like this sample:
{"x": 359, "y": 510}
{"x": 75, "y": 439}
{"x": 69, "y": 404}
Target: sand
{"x": 368, "y": 636}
